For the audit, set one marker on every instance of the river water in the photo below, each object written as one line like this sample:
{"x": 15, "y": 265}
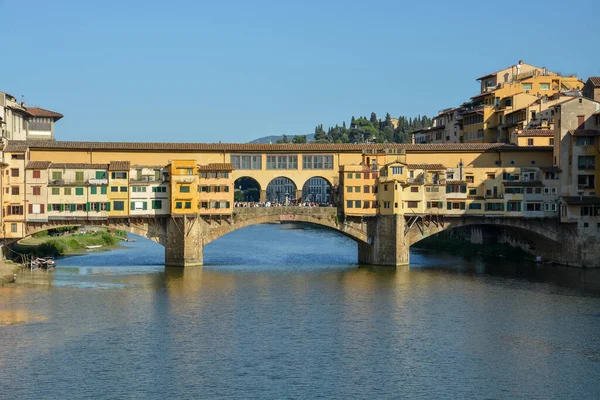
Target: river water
{"x": 284, "y": 311}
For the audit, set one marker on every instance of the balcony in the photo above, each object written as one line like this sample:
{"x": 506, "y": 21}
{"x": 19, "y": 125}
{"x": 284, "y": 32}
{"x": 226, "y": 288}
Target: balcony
{"x": 148, "y": 178}
{"x": 74, "y": 182}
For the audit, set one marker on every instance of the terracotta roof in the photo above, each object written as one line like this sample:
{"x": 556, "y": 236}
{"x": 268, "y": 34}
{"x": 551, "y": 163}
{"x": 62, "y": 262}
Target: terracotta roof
{"x": 585, "y": 132}
{"x": 16, "y": 146}
{"x": 119, "y": 166}
{"x": 473, "y": 197}
{"x": 37, "y": 165}
{"x": 216, "y": 167}
{"x": 456, "y": 182}
{"x": 595, "y": 80}
{"x": 426, "y": 166}
{"x": 483, "y": 94}
{"x": 40, "y": 112}
{"x": 550, "y": 169}
{"x": 255, "y": 147}
{"x": 582, "y": 200}
{"x": 77, "y": 166}
{"x": 535, "y": 132}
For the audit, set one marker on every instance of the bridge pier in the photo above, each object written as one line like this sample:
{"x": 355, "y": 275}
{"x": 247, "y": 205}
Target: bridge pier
{"x": 184, "y": 247}
{"x": 386, "y": 242}
{"x": 263, "y": 196}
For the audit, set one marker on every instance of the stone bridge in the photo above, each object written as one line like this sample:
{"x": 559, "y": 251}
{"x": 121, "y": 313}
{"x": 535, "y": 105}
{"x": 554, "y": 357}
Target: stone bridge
{"x": 382, "y": 240}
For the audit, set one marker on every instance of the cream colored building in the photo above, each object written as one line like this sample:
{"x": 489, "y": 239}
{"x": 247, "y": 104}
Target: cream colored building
{"x": 19, "y": 122}
{"x": 149, "y": 190}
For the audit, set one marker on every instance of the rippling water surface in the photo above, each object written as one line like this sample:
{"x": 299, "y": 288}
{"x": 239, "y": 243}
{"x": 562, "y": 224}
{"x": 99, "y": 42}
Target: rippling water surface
{"x": 284, "y": 311}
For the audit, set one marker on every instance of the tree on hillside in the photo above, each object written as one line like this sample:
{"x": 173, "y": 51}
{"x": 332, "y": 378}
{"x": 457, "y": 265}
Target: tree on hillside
{"x": 285, "y": 139}
{"x": 299, "y": 139}
{"x": 374, "y": 120}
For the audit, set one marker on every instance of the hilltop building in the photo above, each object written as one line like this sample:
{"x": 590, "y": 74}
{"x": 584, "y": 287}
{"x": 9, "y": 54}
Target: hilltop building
{"x": 18, "y": 122}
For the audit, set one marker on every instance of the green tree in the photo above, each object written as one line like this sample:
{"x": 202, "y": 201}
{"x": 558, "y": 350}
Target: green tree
{"x": 374, "y": 120}
{"x": 299, "y": 139}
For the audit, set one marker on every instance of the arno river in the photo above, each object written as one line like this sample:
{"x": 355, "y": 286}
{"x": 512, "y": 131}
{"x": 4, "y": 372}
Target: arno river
{"x": 282, "y": 312}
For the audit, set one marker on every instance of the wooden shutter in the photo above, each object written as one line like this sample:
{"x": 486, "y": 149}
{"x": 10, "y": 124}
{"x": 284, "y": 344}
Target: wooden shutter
{"x": 30, "y": 208}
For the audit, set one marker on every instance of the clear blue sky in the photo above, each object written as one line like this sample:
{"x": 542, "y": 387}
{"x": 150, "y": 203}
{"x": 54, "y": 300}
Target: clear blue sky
{"x": 233, "y": 71}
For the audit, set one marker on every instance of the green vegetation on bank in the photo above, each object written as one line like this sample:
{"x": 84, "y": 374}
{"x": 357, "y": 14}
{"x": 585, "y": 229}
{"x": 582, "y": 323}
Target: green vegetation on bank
{"x": 363, "y": 129}
{"x": 42, "y": 244}
{"x": 465, "y": 248}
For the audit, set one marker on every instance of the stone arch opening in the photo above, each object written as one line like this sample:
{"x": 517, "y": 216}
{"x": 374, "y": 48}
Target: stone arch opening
{"x": 318, "y": 190}
{"x": 281, "y": 190}
{"x": 154, "y": 230}
{"x": 247, "y": 189}
{"x": 531, "y": 241}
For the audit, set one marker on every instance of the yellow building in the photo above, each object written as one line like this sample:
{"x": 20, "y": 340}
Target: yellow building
{"x": 118, "y": 188}
{"x": 216, "y": 189}
{"x": 184, "y": 187}
{"x": 533, "y": 137}
{"x": 14, "y": 160}
{"x": 506, "y": 99}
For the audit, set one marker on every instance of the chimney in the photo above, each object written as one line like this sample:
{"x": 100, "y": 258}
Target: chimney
{"x": 412, "y": 139}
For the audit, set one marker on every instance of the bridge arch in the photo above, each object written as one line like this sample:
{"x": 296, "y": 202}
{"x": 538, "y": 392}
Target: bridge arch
{"x": 154, "y": 229}
{"x": 538, "y": 232}
{"x": 281, "y": 189}
{"x": 247, "y": 188}
{"x": 320, "y": 216}
{"x": 317, "y": 189}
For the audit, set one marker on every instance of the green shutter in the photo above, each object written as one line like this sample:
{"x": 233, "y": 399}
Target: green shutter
{"x": 93, "y": 190}
{"x": 145, "y": 205}
{"x": 79, "y": 176}
{"x": 449, "y": 206}
{"x": 62, "y": 207}
{"x": 87, "y": 207}
{"x": 132, "y": 205}
{"x": 103, "y": 189}
{"x": 108, "y": 206}
{"x": 100, "y": 175}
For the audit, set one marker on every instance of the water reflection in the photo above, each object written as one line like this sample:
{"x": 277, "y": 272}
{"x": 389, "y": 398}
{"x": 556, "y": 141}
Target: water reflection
{"x": 280, "y": 312}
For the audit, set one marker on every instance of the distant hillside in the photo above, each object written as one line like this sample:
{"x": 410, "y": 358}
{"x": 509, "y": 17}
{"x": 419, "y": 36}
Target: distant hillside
{"x": 273, "y": 139}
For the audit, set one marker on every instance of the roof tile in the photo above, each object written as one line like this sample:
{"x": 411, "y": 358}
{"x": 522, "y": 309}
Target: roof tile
{"x": 595, "y": 80}
{"x": 216, "y": 167}
{"x": 16, "y": 146}
{"x": 119, "y": 166}
{"x": 430, "y": 167}
{"x": 40, "y": 112}
{"x": 37, "y": 165}
{"x": 77, "y": 166}
{"x": 256, "y": 147}
{"x": 535, "y": 132}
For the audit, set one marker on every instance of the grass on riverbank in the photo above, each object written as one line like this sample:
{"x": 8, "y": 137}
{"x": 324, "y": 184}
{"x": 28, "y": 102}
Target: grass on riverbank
{"x": 7, "y": 270}
{"x": 465, "y": 248}
{"x": 43, "y": 246}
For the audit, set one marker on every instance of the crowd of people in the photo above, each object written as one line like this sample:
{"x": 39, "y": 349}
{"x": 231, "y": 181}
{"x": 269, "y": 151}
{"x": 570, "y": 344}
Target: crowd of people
{"x": 289, "y": 203}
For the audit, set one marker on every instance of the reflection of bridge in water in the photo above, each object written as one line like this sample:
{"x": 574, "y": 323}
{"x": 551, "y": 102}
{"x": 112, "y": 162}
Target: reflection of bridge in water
{"x": 382, "y": 240}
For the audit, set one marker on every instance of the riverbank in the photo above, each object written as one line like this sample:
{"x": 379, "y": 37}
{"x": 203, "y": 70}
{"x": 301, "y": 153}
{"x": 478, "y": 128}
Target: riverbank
{"x": 7, "y": 271}
{"x": 465, "y": 248}
{"x": 55, "y": 246}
